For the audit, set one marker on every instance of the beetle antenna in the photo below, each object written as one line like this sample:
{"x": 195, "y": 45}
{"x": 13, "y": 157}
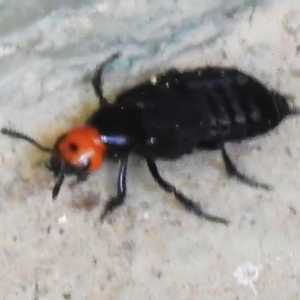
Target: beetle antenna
{"x": 22, "y": 136}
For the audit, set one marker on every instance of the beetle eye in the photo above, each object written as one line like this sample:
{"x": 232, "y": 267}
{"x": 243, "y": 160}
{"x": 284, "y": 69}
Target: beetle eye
{"x": 73, "y": 147}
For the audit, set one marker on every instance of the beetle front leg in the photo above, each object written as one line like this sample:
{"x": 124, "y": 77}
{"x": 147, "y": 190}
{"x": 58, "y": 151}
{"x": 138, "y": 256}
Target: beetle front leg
{"x": 183, "y": 200}
{"x": 233, "y": 171}
{"x": 118, "y": 200}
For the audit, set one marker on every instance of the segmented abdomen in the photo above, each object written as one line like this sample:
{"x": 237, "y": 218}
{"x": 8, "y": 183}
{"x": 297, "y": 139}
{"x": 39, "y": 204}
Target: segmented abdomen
{"x": 235, "y": 105}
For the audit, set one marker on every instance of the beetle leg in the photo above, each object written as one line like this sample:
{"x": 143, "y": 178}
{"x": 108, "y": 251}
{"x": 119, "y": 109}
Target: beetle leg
{"x": 118, "y": 200}
{"x": 97, "y": 79}
{"x": 183, "y": 200}
{"x": 233, "y": 171}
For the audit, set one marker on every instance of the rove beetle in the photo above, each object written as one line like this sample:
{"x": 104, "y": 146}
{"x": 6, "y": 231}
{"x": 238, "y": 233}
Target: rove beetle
{"x": 167, "y": 118}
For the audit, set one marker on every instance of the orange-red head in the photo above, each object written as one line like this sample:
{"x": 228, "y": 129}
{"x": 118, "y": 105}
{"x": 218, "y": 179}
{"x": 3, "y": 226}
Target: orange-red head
{"x": 81, "y": 148}
{"x": 79, "y": 152}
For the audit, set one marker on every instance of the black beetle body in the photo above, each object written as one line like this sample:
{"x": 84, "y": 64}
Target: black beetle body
{"x": 180, "y": 111}
{"x": 167, "y": 117}
{"x": 176, "y": 112}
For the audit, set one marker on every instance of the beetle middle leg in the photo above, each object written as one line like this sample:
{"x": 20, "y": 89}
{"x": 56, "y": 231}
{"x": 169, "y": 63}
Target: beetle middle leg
{"x": 233, "y": 171}
{"x": 97, "y": 79}
{"x": 183, "y": 200}
{"x": 118, "y": 200}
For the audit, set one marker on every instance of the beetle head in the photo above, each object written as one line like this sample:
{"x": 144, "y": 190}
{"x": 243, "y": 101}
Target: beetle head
{"x": 78, "y": 152}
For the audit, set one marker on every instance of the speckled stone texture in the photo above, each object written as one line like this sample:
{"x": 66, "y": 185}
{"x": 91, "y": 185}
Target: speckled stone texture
{"x": 150, "y": 248}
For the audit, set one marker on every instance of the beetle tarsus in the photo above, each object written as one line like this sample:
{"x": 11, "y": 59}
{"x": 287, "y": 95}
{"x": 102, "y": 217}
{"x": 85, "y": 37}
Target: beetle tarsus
{"x": 233, "y": 171}
{"x": 111, "y": 205}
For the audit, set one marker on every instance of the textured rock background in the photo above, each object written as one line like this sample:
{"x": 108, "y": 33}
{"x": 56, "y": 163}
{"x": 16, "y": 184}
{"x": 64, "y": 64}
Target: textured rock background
{"x": 150, "y": 248}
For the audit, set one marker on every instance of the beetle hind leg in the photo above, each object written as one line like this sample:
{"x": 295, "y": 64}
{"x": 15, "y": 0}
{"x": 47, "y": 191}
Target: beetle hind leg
{"x": 233, "y": 171}
{"x": 183, "y": 200}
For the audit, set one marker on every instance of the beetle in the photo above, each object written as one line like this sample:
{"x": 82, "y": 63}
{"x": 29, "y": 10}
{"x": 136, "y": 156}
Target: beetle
{"x": 166, "y": 118}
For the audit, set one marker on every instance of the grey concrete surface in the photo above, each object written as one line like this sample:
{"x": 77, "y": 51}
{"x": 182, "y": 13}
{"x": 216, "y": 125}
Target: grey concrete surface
{"x": 150, "y": 248}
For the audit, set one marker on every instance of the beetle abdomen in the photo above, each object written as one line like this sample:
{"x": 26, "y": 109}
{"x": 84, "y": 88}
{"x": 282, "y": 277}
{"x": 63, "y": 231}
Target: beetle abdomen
{"x": 237, "y": 105}
{"x": 206, "y": 106}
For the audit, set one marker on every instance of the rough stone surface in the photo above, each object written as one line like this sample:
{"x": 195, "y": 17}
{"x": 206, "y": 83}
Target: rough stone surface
{"x": 150, "y": 248}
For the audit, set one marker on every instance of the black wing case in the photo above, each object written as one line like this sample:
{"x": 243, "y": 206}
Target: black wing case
{"x": 202, "y": 107}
